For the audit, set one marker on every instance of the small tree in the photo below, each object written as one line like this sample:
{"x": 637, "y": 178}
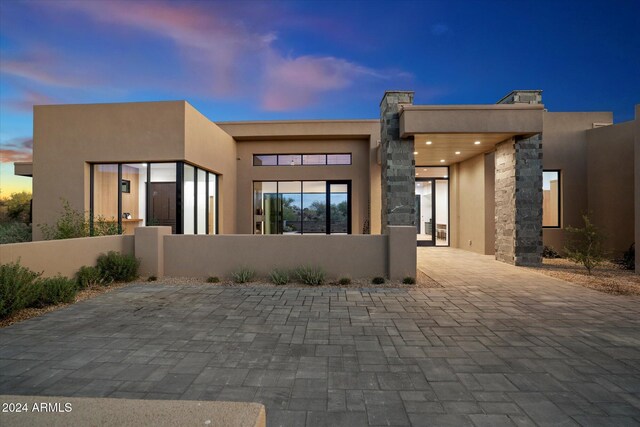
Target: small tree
{"x": 585, "y": 245}
{"x": 73, "y": 223}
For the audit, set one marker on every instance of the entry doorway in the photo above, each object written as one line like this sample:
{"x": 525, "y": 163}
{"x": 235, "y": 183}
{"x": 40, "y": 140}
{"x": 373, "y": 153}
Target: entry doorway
{"x": 432, "y": 211}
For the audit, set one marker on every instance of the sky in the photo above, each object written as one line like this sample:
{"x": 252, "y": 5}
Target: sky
{"x": 269, "y": 60}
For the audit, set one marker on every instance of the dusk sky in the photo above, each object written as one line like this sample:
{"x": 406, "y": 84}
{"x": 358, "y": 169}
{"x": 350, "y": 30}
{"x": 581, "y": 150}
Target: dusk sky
{"x": 262, "y": 60}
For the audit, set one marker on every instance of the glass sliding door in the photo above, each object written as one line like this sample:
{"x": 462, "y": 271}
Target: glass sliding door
{"x": 425, "y": 212}
{"x": 106, "y": 199}
{"x": 314, "y": 207}
{"x": 212, "y": 195}
{"x": 134, "y": 196}
{"x": 201, "y": 202}
{"x": 338, "y": 194}
{"x": 443, "y": 230}
{"x": 302, "y": 207}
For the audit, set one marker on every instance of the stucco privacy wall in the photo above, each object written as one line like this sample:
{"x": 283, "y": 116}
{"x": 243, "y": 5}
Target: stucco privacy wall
{"x": 64, "y": 257}
{"x": 564, "y": 142}
{"x": 67, "y": 137}
{"x": 354, "y": 256}
{"x": 610, "y": 162}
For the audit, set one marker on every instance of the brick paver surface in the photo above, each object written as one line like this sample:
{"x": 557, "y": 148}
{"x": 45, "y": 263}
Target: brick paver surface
{"x": 496, "y": 345}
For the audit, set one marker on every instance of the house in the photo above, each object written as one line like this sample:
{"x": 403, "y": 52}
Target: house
{"x": 501, "y": 179}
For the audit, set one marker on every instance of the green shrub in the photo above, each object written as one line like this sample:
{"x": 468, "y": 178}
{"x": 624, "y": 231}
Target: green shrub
{"x": 117, "y": 267}
{"x": 14, "y": 232}
{"x": 88, "y": 276}
{"x": 409, "y": 280}
{"x": 549, "y": 252}
{"x": 280, "y": 276}
{"x": 56, "y": 290}
{"x": 585, "y": 245}
{"x": 152, "y": 279}
{"x": 243, "y": 275}
{"x": 378, "y": 280}
{"x": 628, "y": 260}
{"x": 344, "y": 281}
{"x": 18, "y": 288}
{"x": 310, "y": 275}
{"x": 73, "y": 223}
{"x": 19, "y": 207}
{"x": 213, "y": 279}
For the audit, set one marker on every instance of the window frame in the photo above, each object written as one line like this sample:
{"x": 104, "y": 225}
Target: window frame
{"x": 559, "y": 172}
{"x": 302, "y": 163}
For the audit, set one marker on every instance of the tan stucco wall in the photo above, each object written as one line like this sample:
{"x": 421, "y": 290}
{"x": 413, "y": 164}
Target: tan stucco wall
{"x": 66, "y": 137}
{"x": 340, "y": 256}
{"x": 610, "y": 183}
{"x": 564, "y": 147}
{"x": 468, "y": 215}
{"x": 211, "y": 148}
{"x": 64, "y": 257}
{"x": 357, "y": 172}
{"x": 519, "y": 119}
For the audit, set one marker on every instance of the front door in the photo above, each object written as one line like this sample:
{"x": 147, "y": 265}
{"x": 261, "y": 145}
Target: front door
{"x": 432, "y": 211}
{"x": 162, "y": 204}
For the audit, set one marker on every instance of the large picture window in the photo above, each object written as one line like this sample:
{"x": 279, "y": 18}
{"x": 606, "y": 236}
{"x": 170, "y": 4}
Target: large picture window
{"x": 551, "y": 198}
{"x": 172, "y": 194}
{"x": 302, "y": 207}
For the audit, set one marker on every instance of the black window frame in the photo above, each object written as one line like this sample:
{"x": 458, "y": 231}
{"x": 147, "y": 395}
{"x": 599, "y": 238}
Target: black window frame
{"x": 179, "y": 194}
{"x": 559, "y": 172}
{"x": 302, "y": 163}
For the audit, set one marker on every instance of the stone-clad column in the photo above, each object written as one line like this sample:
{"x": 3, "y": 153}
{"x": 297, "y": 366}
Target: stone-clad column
{"x": 398, "y": 163}
{"x": 518, "y": 201}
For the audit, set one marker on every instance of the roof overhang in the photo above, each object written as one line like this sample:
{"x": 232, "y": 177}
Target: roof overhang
{"x": 23, "y": 168}
{"x": 301, "y": 129}
{"x": 514, "y": 119}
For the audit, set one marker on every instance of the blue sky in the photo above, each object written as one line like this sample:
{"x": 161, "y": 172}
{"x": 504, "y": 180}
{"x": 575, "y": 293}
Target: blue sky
{"x": 310, "y": 59}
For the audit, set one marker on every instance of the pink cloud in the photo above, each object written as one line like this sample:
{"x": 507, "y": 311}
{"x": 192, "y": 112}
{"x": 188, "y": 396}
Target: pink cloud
{"x": 28, "y": 100}
{"x": 43, "y": 66}
{"x": 298, "y": 82}
{"x": 16, "y": 150}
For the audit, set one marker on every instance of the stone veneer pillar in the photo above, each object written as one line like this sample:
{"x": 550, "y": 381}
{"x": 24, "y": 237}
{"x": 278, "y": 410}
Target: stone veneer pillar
{"x": 518, "y": 193}
{"x": 398, "y": 163}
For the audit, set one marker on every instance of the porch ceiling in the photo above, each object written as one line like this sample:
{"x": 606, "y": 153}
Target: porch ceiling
{"x": 448, "y": 148}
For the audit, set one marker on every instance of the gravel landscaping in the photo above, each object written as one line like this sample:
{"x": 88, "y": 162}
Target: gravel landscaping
{"x": 608, "y": 277}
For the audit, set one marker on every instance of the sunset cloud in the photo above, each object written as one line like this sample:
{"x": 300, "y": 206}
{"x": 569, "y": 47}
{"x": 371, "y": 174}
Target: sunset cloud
{"x": 28, "y": 99}
{"x": 16, "y": 150}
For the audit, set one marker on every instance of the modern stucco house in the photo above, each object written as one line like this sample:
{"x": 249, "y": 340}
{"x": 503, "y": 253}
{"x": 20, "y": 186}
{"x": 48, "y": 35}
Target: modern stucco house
{"x": 501, "y": 179}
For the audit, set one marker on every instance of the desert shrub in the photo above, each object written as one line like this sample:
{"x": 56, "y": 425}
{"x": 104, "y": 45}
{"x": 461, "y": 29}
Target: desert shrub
{"x": 19, "y": 207}
{"x": 344, "y": 281}
{"x": 279, "y": 276}
{"x": 117, "y": 267}
{"x": 152, "y": 279}
{"x": 73, "y": 223}
{"x": 88, "y": 276}
{"x": 243, "y": 275}
{"x": 56, "y": 290}
{"x": 14, "y": 232}
{"x": 310, "y": 275}
{"x": 213, "y": 279}
{"x": 628, "y": 259}
{"x": 378, "y": 280}
{"x": 409, "y": 280}
{"x": 585, "y": 245}
{"x": 18, "y": 288}
{"x": 549, "y": 252}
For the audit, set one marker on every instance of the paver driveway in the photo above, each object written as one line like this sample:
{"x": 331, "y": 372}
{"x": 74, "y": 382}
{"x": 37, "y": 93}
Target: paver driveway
{"x": 496, "y": 345}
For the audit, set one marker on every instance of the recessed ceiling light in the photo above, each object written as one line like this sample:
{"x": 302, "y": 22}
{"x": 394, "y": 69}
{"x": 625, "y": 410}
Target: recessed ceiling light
{"x": 477, "y": 142}
{"x": 424, "y": 169}
{"x": 446, "y": 176}
{"x": 417, "y": 173}
{"x": 457, "y": 152}
{"x": 442, "y": 161}
{"x": 428, "y": 142}
{"x": 415, "y": 152}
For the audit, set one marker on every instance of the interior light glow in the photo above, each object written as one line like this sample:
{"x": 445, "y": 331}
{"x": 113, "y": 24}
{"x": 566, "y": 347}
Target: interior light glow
{"x": 442, "y": 161}
{"x": 415, "y": 152}
{"x": 428, "y": 142}
{"x": 457, "y": 152}
{"x": 477, "y": 142}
